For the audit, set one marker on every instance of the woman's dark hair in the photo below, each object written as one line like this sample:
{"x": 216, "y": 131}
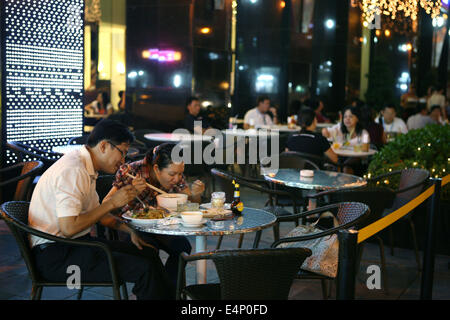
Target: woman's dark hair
{"x": 110, "y": 130}
{"x": 306, "y": 117}
{"x": 105, "y": 99}
{"x": 355, "y": 112}
{"x": 161, "y": 155}
{"x": 367, "y": 116}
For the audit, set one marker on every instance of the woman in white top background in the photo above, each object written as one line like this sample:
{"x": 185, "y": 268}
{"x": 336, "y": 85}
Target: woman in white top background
{"x": 101, "y": 105}
{"x": 349, "y": 132}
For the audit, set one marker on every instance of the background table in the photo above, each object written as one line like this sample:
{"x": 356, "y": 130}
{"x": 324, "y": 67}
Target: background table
{"x": 280, "y": 128}
{"x": 176, "y": 137}
{"x": 349, "y": 152}
{"x": 251, "y": 220}
{"x": 322, "y": 180}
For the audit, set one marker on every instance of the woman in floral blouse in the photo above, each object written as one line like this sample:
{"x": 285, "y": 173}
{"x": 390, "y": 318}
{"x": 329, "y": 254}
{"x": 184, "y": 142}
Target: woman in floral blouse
{"x": 158, "y": 169}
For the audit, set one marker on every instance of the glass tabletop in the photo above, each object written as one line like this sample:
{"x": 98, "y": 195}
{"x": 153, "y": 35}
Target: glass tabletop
{"x": 322, "y": 180}
{"x": 251, "y": 220}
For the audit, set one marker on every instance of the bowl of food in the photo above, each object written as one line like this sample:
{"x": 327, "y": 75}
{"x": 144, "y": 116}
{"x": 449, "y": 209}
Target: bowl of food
{"x": 145, "y": 217}
{"x": 192, "y": 217}
{"x": 171, "y": 200}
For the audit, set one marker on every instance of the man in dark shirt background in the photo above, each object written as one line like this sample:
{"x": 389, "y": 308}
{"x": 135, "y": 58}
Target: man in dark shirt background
{"x": 193, "y": 114}
{"x": 308, "y": 141}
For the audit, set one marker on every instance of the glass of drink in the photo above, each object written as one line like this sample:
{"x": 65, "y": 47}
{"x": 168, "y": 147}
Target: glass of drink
{"x": 217, "y": 200}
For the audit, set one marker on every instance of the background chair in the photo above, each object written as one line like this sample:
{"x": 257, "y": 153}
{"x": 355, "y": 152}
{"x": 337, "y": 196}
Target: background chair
{"x": 79, "y": 140}
{"x": 15, "y": 214}
{"x": 410, "y": 183}
{"x": 245, "y": 274}
{"x": 24, "y": 152}
{"x": 348, "y": 214}
{"x": 377, "y": 199}
{"x": 23, "y": 175}
{"x": 139, "y": 135}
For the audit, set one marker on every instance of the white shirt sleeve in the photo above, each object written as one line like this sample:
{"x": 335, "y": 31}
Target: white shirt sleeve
{"x": 402, "y": 126}
{"x": 365, "y": 136}
{"x": 70, "y": 190}
{"x": 248, "y": 116}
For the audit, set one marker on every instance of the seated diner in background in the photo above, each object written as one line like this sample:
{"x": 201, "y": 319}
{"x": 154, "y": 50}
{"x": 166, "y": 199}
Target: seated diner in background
{"x": 65, "y": 204}
{"x": 259, "y": 116}
{"x": 392, "y": 125}
{"x": 308, "y": 141}
{"x": 158, "y": 169}
{"x": 349, "y": 133}
{"x": 100, "y": 106}
{"x": 436, "y": 115}
{"x": 375, "y": 130}
{"x": 420, "y": 119}
{"x": 193, "y": 108}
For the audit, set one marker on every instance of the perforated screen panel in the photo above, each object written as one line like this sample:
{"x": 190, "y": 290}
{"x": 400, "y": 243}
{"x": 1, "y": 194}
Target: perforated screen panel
{"x": 42, "y": 71}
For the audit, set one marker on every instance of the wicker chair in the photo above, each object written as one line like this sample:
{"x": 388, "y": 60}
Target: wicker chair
{"x": 15, "y": 214}
{"x": 378, "y": 199}
{"x": 349, "y": 215}
{"x": 78, "y": 140}
{"x": 226, "y": 178}
{"x": 411, "y": 182}
{"x": 28, "y": 171}
{"x": 258, "y": 274}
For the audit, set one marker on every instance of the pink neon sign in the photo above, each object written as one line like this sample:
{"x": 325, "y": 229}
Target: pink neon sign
{"x": 162, "y": 55}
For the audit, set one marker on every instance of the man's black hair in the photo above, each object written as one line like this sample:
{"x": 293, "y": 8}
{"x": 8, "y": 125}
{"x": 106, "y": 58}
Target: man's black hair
{"x": 110, "y": 130}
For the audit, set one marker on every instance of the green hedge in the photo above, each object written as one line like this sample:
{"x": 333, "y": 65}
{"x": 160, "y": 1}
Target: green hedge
{"x": 427, "y": 148}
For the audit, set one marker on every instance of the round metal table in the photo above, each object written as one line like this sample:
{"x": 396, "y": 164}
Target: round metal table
{"x": 349, "y": 152}
{"x": 322, "y": 180}
{"x": 176, "y": 137}
{"x": 279, "y": 128}
{"x": 251, "y": 220}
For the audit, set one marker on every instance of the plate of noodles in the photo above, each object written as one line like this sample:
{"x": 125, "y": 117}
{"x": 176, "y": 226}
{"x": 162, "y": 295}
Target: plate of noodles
{"x": 146, "y": 217}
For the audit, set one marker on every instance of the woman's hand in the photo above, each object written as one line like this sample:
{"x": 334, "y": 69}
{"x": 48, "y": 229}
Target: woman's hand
{"x": 139, "y": 183}
{"x": 198, "y": 188}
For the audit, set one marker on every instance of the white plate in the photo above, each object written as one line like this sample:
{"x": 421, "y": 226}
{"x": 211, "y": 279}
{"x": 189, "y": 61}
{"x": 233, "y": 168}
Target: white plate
{"x": 189, "y": 225}
{"x": 226, "y": 206}
{"x": 141, "y": 222}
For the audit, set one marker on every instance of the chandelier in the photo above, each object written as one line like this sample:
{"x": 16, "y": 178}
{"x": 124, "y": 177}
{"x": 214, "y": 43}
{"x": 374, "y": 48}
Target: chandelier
{"x": 409, "y": 8}
{"x": 92, "y": 11}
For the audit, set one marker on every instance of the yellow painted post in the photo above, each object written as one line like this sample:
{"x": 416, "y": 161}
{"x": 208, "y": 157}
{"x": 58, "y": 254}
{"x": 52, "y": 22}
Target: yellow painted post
{"x": 365, "y": 62}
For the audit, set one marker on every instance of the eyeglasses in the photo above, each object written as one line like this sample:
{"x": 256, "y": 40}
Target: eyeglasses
{"x": 123, "y": 153}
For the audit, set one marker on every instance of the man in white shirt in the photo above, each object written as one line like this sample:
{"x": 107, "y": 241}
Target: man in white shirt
{"x": 259, "y": 116}
{"x": 420, "y": 119}
{"x": 390, "y": 122}
{"x": 65, "y": 204}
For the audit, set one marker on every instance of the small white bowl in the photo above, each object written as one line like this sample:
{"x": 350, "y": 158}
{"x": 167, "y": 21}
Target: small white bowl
{"x": 306, "y": 173}
{"x": 170, "y": 200}
{"x": 192, "y": 217}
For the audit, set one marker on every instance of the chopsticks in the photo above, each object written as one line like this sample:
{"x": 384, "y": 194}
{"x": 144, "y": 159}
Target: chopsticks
{"x": 149, "y": 185}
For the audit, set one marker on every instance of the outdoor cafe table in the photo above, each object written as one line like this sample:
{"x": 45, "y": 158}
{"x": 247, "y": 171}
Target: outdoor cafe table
{"x": 176, "y": 137}
{"x": 322, "y": 180}
{"x": 350, "y": 152}
{"x": 279, "y": 128}
{"x": 251, "y": 220}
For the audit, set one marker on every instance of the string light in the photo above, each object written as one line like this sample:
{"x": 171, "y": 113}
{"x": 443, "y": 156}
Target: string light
{"x": 410, "y": 8}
